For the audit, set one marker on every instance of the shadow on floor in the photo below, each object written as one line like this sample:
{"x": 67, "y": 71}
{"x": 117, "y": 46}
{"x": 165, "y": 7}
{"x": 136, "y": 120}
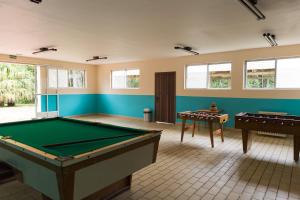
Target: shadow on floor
{"x": 283, "y": 177}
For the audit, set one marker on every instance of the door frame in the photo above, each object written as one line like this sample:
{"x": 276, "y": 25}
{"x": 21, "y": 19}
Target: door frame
{"x": 174, "y": 100}
{"x": 35, "y": 78}
{"x": 46, "y": 94}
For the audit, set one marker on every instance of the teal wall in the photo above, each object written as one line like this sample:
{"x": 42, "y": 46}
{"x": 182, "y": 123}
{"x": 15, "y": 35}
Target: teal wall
{"x": 52, "y": 106}
{"x": 71, "y": 104}
{"x": 78, "y": 104}
{"x": 233, "y": 106}
{"x": 126, "y": 105}
{"x": 133, "y": 105}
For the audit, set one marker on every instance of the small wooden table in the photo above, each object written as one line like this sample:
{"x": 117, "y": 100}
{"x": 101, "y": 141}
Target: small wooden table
{"x": 203, "y": 116}
{"x": 204, "y": 111}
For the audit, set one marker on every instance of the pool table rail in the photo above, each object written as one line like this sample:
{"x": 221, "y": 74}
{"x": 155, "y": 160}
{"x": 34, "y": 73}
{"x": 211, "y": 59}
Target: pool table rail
{"x": 18, "y": 146}
{"x": 68, "y": 178}
{"x": 69, "y": 160}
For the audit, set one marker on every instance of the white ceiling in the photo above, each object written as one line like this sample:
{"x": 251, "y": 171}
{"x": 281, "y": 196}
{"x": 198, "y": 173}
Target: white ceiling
{"x": 128, "y": 30}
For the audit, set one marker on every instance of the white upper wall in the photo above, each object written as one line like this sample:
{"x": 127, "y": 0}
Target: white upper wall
{"x": 237, "y": 58}
{"x": 128, "y": 30}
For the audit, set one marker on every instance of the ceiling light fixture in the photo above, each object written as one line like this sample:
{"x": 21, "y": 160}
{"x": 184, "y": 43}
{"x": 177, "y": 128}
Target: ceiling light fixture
{"x": 44, "y": 49}
{"x": 187, "y": 49}
{"x": 36, "y": 1}
{"x": 251, "y": 6}
{"x": 270, "y": 38}
{"x": 96, "y": 58}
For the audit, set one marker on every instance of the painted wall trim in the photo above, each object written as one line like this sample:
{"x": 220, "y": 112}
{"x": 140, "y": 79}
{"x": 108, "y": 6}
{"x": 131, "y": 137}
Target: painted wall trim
{"x": 132, "y": 106}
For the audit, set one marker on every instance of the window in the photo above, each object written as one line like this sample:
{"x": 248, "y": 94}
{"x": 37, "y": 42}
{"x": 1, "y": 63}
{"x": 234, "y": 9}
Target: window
{"x": 119, "y": 79}
{"x": 76, "y": 79}
{"x": 260, "y": 74}
{"x": 125, "y": 79}
{"x": 196, "y": 76}
{"x": 52, "y": 78}
{"x": 220, "y": 75}
{"x": 133, "y": 78}
{"x": 287, "y": 74}
{"x": 271, "y": 74}
{"x": 62, "y": 78}
{"x": 212, "y": 76}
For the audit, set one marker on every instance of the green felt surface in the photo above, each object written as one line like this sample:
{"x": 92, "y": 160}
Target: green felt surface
{"x": 38, "y": 133}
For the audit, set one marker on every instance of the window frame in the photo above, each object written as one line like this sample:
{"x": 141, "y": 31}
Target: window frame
{"x": 207, "y": 76}
{"x": 245, "y": 74}
{"x": 84, "y": 81}
{"x": 48, "y": 77}
{"x": 185, "y": 77}
{"x": 67, "y": 79}
{"x": 126, "y": 88}
{"x": 275, "y": 80}
{"x": 68, "y": 76}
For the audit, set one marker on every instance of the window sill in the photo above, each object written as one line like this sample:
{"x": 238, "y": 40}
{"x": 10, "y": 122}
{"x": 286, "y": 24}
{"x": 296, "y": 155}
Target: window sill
{"x": 124, "y": 88}
{"x": 271, "y": 89}
{"x": 212, "y": 89}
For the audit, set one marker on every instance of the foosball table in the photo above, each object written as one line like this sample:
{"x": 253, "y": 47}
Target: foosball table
{"x": 211, "y": 118}
{"x": 286, "y": 124}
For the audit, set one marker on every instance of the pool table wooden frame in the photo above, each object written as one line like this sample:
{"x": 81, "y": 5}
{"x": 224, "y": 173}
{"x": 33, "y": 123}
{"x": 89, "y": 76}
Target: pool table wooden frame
{"x": 67, "y": 169}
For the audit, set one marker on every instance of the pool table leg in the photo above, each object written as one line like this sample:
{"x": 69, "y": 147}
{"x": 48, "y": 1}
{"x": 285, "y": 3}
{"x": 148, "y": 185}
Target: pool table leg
{"x": 44, "y": 197}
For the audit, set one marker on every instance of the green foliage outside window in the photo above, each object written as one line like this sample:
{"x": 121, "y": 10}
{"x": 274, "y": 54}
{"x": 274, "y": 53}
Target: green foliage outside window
{"x": 133, "y": 81}
{"x": 261, "y": 78}
{"x": 220, "y": 82}
{"x": 259, "y": 82}
{"x": 220, "y": 79}
{"x": 17, "y": 83}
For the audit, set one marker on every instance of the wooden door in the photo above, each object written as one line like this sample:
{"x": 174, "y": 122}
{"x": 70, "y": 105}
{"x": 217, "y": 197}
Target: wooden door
{"x": 165, "y": 97}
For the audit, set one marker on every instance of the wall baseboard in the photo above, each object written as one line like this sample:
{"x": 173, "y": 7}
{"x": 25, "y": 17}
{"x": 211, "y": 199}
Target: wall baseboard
{"x": 81, "y": 115}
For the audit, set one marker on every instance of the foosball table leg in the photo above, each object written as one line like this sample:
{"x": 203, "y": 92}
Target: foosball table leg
{"x": 194, "y": 127}
{"x": 211, "y": 133}
{"x": 247, "y": 140}
{"x": 182, "y": 129}
{"x": 296, "y": 147}
{"x": 222, "y": 132}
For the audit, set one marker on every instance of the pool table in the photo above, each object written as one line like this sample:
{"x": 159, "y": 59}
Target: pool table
{"x": 66, "y": 159}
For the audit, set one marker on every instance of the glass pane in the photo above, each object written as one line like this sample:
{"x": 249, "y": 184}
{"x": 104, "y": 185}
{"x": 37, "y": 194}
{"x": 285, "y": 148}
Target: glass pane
{"x": 52, "y": 78}
{"x": 220, "y": 75}
{"x": 62, "y": 78}
{"x": 288, "y": 71}
{"x": 76, "y": 78}
{"x": 118, "y": 79}
{"x": 196, "y": 76}
{"x": 133, "y": 78}
{"x": 260, "y": 74}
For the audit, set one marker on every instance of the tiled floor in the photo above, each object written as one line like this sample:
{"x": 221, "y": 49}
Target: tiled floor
{"x": 18, "y": 113}
{"x": 193, "y": 170}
